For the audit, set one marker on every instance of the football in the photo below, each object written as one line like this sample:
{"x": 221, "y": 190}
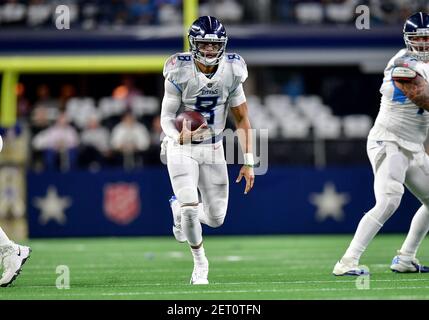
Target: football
{"x": 195, "y": 119}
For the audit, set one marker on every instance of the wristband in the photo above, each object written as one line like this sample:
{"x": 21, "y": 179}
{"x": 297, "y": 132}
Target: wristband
{"x": 248, "y": 159}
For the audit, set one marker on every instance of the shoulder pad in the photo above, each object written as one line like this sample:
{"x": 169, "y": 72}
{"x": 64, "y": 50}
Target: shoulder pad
{"x": 175, "y": 62}
{"x": 403, "y": 74}
{"x": 239, "y": 67}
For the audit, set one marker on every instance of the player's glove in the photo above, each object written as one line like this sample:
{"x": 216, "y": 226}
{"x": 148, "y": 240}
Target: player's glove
{"x": 403, "y": 74}
{"x": 406, "y": 62}
{"x": 405, "y": 69}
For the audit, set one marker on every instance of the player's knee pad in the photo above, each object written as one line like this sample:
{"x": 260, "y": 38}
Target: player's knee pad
{"x": 191, "y": 225}
{"x": 187, "y": 195}
{"x": 216, "y": 222}
{"x": 394, "y": 186}
{"x": 189, "y": 212}
{"x": 390, "y": 177}
{"x": 216, "y": 216}
{"x": 385, "y": 207}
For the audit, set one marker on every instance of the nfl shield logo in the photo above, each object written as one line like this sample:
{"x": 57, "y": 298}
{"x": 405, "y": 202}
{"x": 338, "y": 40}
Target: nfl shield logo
{"x": 121, "y": 202}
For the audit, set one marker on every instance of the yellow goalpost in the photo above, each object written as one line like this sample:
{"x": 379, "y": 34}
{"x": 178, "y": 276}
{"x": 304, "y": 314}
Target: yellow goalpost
{"x": 12, "y": 66}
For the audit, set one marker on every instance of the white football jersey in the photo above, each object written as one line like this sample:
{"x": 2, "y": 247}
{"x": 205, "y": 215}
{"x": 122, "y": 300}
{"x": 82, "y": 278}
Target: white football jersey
{"x": 399, "y": 119}
{"x": 211, "y": 97}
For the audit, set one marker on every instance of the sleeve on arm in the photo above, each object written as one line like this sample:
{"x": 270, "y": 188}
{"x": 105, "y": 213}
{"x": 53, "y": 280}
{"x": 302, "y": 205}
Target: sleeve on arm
{"x": 237, "y": 97}
{"x": 170, "y": 104}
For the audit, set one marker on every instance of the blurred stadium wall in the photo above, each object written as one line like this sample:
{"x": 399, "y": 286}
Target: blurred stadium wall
{"x": 313, "y": 83}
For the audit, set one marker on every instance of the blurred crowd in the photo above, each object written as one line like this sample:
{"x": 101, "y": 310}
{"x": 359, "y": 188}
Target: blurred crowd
{"x": 90, "y": 14}
{"x": 120, "y": 128}
{"x": 382, "y": 12}
{"x": 69, "y": 131}
{"x": 93, "y": 14}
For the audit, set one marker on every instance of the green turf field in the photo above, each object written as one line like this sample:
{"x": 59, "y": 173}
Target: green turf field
{"x": 278, "y": 267}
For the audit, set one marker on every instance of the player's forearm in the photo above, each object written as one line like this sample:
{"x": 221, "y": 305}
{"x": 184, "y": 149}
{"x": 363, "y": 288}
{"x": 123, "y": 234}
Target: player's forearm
{"x": 168, "y": 116}
{"x": 421, "y": 97}
{"x": 170, "y": 104}
{"x": 169, "y": 127}
{"x": 244, "y": 132}
{"x": 417, "y": 90}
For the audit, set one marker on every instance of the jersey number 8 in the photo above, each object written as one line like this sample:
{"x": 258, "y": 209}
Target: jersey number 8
{"x": 206, "y": 105}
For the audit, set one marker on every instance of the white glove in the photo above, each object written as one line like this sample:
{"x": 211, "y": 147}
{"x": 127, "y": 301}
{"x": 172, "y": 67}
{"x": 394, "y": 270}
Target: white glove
{"x": 406, "y": 62}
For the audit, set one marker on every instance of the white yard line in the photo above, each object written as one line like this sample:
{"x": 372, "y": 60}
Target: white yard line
{"x": 351, "y": 280}
{"x": 64, "y": 294}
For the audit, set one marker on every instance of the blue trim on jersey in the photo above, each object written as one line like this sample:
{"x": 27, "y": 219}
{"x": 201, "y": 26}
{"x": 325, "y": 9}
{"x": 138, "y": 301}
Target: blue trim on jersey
{"x": 177, "y": 87}
{"x": 398, "y": 95}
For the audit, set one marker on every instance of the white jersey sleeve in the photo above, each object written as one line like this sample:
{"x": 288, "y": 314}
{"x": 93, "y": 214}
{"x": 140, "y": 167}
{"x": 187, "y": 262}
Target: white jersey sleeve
{"x": 177, "y": 69}
{"x": 239, "y": 66}
{"x": 170, "y": 104}
{"x": 237, "y": 97}
{"x": 239, "y": 74}
{"x": 399, "y": 119}
{"x": 209, "y": 95}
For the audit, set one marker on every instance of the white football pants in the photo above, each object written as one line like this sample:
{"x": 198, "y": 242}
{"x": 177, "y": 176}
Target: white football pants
{"x": 198, "y": 167}
{"x": 394, "y": 166}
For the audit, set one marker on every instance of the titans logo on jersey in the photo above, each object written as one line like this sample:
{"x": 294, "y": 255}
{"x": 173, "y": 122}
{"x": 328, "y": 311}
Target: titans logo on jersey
{"x": 211, "y": 96}
{"x": 399, "y": 119}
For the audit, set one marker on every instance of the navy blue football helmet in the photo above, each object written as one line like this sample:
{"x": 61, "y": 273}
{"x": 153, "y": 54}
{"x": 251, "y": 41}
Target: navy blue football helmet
{"x": 416, "y": 27}
{"x": 207, "y": 31}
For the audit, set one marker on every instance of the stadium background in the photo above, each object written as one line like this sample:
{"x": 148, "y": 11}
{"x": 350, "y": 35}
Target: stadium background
{"x": 313, "y": 82}
{"x": 85, "y": 204}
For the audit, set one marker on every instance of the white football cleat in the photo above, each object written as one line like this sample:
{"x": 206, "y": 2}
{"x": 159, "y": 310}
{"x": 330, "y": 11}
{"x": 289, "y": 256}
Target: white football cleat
{"x": 406, "y": 264}
{"x": 13, "y": 256}
{"x": 177, "y": 227}
{"x": 200, "y": 273}
{"x": 345, "y": 269}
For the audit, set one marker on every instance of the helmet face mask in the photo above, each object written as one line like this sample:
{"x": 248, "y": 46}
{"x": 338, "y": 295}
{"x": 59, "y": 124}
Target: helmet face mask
{"x": 208, "y": 53}
{"x": 418, "y": 45}
{"x": 207, "y": 39}
{"x": 416, "y": 36}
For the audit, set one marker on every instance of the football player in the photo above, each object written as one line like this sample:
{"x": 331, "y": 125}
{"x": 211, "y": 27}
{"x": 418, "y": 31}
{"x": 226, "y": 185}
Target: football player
{"x": 396, "y": 151}
{"x": 12, "y": 255}
{"x": 207, "y": 80}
